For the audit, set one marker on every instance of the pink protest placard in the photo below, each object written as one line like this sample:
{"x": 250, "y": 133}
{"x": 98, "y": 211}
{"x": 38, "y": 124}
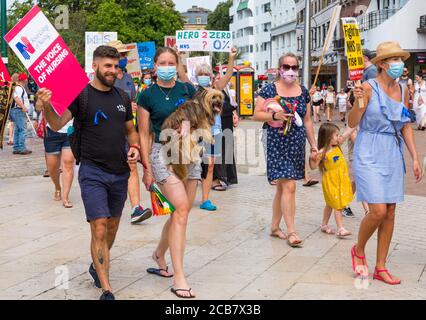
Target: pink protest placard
{"x": 47, "y": 58}
{"x": 4, "y": 74}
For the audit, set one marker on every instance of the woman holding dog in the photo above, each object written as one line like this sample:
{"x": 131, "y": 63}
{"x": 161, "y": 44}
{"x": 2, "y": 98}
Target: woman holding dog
{"x": 379, "y": 168}
{"x": 286, "y": 152}
{"x": 156, "y": 104}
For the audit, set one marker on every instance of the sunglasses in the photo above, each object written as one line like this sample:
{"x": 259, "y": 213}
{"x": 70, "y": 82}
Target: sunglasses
{"x": 287, "y": 67}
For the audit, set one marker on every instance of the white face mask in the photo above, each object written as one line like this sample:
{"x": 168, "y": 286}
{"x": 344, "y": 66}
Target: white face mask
{"x": 289, "y": 76}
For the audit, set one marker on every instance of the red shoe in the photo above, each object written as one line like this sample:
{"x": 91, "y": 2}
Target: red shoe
{"x": 356, "y": 268}
{"x": 377, "y": 276}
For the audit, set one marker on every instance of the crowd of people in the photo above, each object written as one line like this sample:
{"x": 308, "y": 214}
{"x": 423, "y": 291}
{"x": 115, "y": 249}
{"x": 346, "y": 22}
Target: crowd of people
{"x": 115, "y": 124}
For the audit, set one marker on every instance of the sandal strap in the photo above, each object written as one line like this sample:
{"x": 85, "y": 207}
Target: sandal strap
{"x": 359, "y": 257}
{"x": 186, "y": 290}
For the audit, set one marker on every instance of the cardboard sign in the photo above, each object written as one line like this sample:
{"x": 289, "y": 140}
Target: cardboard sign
{"x": 4, "y": 74}
{"x": 94, "y": 40}
{"x": 133, "y": 62}
{"x": 192, "y": 63}
{"x": 353, "y": 48}
{"x": 47, "y": 58}
{"x": 204, "y": 40}
{"x": 170, "y": 41}
{"x": 146, "y": 54}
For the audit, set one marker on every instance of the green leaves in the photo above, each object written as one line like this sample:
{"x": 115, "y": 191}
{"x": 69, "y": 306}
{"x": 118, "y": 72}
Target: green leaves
{"x": 133, "y": 20}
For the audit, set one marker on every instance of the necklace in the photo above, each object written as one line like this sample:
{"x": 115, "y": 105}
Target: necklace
{"x": 167, "y": 95}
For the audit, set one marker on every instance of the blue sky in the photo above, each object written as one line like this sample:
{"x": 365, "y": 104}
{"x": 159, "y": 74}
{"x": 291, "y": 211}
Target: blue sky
{"x": 183, "y": 5}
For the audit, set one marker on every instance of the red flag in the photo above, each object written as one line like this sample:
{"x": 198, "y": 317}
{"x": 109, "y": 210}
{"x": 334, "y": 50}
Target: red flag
{"x": 4, "y": 74}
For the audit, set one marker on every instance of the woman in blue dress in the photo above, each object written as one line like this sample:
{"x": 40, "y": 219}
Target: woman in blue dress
{"x": 379, "y": 168}
{"x": 286, "y": 153}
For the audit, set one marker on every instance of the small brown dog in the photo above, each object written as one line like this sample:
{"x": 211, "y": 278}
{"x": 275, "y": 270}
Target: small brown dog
{"x": 190, "y": 123}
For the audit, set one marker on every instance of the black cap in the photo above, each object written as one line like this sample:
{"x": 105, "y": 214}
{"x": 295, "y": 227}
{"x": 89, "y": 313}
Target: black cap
{"x": 369, "y": 54}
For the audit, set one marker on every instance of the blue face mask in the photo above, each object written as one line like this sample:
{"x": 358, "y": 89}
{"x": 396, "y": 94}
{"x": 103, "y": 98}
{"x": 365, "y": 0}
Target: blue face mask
{"x": 166, "y": 74}
{"x": 122, "y": 64}
{"x": 203, "y": 81}
{"x": 147, "y": 82}
{"x": 395, "y": 70}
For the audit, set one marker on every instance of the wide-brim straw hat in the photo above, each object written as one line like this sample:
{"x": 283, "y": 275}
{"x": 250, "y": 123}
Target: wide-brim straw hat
{"x": 117, "y": 44}
{"x": 389, "y": 49}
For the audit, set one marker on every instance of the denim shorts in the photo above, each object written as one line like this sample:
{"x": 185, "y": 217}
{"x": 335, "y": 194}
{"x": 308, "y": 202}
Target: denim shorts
{"x": 54, "y": 142}
{"x": 213, "y": 150}
{"x": 159, "y": 167}
{"x": 104, "y": 194}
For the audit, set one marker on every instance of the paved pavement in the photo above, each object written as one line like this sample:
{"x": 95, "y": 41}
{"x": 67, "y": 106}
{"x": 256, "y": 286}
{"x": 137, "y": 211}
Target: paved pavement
{"x": 229, "y": 253}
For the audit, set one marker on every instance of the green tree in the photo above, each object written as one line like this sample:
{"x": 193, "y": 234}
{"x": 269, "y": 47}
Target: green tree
{"x": 137, "y": 20}
{"x": 219, "y": 19}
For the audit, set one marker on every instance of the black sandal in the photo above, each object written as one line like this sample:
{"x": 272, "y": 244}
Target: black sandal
{"x": 175, "y": 291}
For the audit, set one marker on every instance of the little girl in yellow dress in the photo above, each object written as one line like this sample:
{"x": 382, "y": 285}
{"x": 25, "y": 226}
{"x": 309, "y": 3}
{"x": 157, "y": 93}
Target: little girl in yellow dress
{"x": 336, "y": 183}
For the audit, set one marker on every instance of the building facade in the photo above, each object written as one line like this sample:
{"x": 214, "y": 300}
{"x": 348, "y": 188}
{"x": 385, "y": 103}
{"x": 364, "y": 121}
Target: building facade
{"x": 195, "y": 18}
{"x": 321, "y": 13}
{"x": 403, "y": 21}
{"x": 283, "y": 32}
{"x": 251, "y": 30}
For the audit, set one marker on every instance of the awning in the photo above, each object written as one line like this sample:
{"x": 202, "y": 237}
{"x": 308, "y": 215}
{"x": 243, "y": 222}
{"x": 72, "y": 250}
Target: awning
{"x": 243, "y": 5}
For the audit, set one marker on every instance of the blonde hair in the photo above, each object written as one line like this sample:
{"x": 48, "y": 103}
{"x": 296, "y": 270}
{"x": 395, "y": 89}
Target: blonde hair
{"x": 286, "y": 55}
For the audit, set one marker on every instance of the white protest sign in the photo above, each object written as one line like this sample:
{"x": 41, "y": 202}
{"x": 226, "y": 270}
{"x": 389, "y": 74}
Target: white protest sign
{"x": 94, "y": 40}
{"x": 204, "y": 40}
{"x": 192, "y": 63}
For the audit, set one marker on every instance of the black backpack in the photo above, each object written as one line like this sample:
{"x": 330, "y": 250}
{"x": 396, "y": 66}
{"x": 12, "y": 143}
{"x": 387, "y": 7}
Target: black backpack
{"x": 81, "y": 118}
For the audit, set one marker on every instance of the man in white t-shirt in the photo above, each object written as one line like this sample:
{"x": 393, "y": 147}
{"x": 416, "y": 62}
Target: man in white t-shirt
{"x": 18, "y": 115}
{"x": 342, "y": 102}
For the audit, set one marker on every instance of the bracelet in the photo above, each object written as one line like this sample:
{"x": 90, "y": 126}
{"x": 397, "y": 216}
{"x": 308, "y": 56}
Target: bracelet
{"x": 136, "y": 147}
{"x": 273, "y": 116}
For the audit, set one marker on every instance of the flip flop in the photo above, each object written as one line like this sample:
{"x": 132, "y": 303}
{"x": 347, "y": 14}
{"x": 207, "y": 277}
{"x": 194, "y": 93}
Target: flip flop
{"x": 294, "y": 244}
{"x": 158, "y": 272}
{"x": 218, "y": 187}
{"x": 175, "y": 291}
{"x": 274, "y": 234}
{"x": 311, "y": 182}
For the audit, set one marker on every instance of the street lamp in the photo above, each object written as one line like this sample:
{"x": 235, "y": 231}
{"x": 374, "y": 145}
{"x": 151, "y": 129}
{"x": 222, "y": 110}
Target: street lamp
{"x": 3, "y": 28}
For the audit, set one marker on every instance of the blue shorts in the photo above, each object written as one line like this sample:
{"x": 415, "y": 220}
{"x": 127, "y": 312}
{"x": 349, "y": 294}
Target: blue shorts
{"x": 104, "y": 194}
{"x": 54, "y": 142}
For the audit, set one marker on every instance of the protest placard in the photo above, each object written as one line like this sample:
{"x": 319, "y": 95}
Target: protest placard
{"x": 353, "y": 48}
{"x": 204, "y": 40}
{"x": 48, "y": 59}
{"x": 146, "y": 54}
{"x": 133, "y": 62}
{"x": 192, "y": 63}
{"x": 170, "y": 41}
{"x": 94, "y": 40}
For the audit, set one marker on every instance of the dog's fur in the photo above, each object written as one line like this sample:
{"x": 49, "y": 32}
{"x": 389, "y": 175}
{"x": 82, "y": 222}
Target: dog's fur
{"x": 200, "y": 113}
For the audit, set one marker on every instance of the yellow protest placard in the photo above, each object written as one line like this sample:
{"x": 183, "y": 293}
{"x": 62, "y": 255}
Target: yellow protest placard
{"x": 353, "y": 48}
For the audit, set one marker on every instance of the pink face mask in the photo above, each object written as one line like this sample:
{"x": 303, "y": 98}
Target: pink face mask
{"x": 289, "y": 76}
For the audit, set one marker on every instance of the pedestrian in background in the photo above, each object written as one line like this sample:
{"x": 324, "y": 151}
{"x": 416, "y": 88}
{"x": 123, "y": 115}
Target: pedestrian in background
{"x": 330, "y": 102}
{"x": 18, "y": 115}
{"x": 419, "y": 102}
